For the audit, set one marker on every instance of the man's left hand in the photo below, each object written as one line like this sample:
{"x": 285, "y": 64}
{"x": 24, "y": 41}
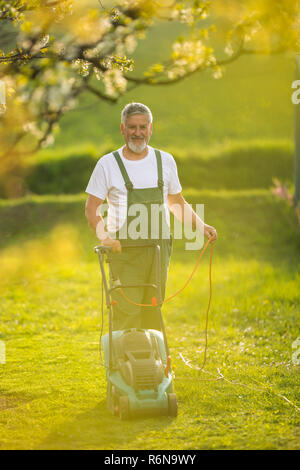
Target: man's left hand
{"x": 210, "y": 232}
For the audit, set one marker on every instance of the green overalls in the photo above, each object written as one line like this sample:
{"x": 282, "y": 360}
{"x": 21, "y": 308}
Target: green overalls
{"x": 137, "y": 265}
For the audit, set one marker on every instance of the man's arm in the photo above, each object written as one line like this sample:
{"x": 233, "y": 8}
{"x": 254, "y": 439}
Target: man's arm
{"x": 96, "y": 222}
{"x": 185, "y": 213}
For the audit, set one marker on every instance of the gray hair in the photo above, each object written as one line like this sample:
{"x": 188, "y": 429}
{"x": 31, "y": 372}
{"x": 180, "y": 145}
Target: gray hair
{"x": 135, "y": 108}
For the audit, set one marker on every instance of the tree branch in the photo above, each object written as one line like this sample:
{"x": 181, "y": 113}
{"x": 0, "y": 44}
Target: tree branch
{"x": 101, "y": 95}
{"x": 242, "y": 51}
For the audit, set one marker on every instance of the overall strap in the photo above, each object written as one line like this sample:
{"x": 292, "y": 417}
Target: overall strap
{"x": 160, "y": 181}
{"x": 128, "y": 183}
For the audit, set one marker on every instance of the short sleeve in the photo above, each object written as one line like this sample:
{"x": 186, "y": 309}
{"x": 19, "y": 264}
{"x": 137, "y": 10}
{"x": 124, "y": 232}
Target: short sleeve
{"x": 97, "y": 185}
{"x": 174, "y": 186}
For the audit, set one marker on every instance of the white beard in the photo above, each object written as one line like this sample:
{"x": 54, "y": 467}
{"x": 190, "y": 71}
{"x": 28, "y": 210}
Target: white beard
{"x": 137, "y": 148}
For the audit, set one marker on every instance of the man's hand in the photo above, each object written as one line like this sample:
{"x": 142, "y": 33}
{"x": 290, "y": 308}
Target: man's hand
{"x": 115, "y": 244}
{"x": 210, "y": 232}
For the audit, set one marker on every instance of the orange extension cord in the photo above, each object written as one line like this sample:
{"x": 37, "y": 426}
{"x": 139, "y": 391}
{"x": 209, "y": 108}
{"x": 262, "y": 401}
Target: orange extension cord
{"x": 154, "y": 300}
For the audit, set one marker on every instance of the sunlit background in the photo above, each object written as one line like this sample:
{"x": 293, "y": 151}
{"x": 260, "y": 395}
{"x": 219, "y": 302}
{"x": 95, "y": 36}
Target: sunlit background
{"x": 231, "y": 130}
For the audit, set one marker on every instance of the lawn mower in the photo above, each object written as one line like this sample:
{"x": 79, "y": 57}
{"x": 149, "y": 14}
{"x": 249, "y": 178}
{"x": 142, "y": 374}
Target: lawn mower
{"x": 137, "y": 361}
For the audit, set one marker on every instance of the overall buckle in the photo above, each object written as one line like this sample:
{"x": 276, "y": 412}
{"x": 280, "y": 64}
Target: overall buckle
{"x": 160, "y": 183}
{"x": 129, "y": 186}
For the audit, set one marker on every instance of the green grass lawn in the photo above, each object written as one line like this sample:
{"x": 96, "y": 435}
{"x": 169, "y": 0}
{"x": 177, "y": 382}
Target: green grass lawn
{"x": 52, "y": 392}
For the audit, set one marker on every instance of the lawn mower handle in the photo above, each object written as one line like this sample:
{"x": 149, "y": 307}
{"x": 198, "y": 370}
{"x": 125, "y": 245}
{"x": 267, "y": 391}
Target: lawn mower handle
{"x": 104, "y": 248}
{"x": 101, "y": 249}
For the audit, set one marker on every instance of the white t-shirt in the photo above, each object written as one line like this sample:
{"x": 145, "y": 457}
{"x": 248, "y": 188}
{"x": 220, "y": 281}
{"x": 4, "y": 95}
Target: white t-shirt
{"x": 106, "y": 182}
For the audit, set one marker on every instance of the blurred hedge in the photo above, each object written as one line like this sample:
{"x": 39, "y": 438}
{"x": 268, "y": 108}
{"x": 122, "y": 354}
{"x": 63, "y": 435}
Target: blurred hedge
{"x": 64, "y": 171}
{"x": 243, "y": 165}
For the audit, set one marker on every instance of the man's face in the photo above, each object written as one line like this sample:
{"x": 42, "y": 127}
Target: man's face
{"x": 137, "y": 131}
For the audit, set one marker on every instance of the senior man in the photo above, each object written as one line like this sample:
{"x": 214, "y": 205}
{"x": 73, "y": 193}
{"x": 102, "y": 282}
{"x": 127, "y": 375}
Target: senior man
{"x": 138, "y": 178}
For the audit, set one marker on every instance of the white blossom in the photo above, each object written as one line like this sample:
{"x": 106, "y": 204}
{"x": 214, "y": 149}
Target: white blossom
{"x": 114, "y": 82}
{"x": 228, "y": 49}
{"x": 130, "y": 43}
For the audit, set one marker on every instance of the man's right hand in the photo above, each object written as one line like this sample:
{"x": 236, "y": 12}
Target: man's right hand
{"x": 115, "y": 244}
